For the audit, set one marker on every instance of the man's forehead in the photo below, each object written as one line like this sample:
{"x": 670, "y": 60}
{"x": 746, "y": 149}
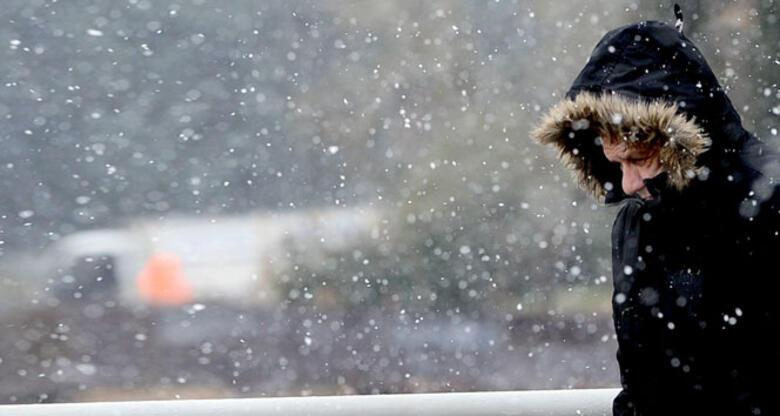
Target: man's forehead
{"x": 620, "y": 148}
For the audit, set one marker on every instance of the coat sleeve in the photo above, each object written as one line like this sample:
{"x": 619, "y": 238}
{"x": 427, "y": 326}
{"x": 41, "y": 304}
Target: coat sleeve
{"x": 639, "y": 371}
{"x": 623, "y": 404}
{"x": 635, "y": 330}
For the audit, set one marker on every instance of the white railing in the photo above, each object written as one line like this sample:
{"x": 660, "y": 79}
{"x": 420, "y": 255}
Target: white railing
{"x": 522, "y": 403}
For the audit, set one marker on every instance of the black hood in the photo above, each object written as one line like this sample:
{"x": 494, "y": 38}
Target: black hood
{"x": 649, "y": 84}
{"x": 651, "y": 60}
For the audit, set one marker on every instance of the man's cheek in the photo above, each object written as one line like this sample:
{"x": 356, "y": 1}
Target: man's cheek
{"x": 651, "y": 170}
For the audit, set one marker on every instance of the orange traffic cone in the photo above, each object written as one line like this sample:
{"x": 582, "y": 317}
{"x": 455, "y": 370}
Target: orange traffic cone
{"x": 161, "y": 281}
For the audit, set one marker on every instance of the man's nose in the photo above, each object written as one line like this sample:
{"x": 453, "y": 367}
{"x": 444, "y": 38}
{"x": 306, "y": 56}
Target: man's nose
{"x": 632, "y": 181}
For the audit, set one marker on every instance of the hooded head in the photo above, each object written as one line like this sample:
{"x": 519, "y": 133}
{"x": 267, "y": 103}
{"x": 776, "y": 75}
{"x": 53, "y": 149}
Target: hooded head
{"x": 647, "y": 84}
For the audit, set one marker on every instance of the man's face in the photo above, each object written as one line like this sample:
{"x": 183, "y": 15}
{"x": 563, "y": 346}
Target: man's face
{"x": 635, "y": 164}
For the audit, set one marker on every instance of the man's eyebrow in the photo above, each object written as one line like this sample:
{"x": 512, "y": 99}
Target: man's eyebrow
{"x": 639, "y": 153}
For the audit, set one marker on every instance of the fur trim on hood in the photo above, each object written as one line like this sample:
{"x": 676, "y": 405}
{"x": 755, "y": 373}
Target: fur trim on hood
{"x": 574, "y": 127}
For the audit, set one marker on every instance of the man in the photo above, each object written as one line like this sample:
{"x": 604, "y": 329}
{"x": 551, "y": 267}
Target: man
{"x": 695, "y": 245}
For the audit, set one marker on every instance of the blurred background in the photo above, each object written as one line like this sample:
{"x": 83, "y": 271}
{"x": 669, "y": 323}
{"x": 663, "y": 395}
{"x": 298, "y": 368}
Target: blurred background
{"x": 264, "y": 198}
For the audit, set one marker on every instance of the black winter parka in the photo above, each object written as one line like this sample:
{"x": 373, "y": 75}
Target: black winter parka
{"x": 696, "y": 268}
